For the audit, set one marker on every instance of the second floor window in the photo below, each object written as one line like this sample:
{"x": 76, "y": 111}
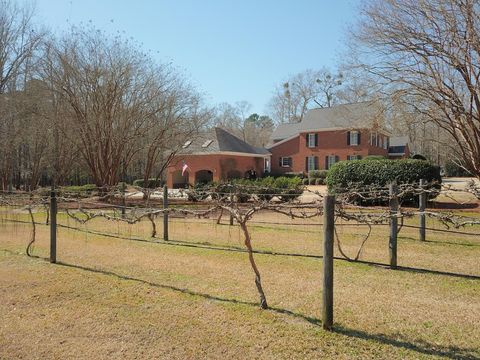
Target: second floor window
{"x": 312, "y": 140}
{"x": 353, "y": 138}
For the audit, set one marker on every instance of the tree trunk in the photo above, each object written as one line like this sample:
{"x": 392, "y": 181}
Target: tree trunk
{"x": 258, "y": 283}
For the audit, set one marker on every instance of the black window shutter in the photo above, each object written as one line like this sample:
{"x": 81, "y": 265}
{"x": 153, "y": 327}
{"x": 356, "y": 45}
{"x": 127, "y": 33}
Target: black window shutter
{"x": 280, "y": 161}
{"x": 316, "y": 140}
{"x": 358, "y": 138}
{"x": 359, "y": 157}
{"x": 316, "y": 162}
{"x": 348, "y": 137}
{"x": 326, "y": 162}
{"x": 337, "y": 158}
{"x": 290, "y": 161}
{"x": 306, "y": 164}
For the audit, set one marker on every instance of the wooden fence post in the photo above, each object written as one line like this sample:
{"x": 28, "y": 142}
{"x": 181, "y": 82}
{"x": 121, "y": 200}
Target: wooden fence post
{"x": 53, "y": 226}
{"x": 392, "y": 245}
{"x": 422, "y": 202}
{"x": 165, "y": 214}
{"x": 328, "y": 236}
{"x": 123, "y": 189}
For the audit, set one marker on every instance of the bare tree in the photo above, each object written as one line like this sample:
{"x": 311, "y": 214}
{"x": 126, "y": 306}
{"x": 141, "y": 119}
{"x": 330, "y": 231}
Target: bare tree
{"x": 303, "y": 91}
{"x": 19, "y": 40}
{"x": 428, "y": 54}
{"x": 254, "y": 129}
{"x": 112, "y": 90}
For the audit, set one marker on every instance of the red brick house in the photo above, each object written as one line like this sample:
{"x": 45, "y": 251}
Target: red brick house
{"x": 215, "y": 155}
{"x": 328, "y": 135}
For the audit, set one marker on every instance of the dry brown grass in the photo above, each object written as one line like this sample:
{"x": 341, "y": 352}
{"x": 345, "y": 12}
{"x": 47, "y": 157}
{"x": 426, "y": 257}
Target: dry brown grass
{"x": 115, "y": 298}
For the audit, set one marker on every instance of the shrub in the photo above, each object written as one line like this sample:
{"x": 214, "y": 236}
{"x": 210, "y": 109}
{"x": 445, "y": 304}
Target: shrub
{"x": 288, "y": 188}
{"x": 79, "y": 188}
{"x": 311, "y": 181}
{"x": 305, "y": 181}
{"x": 319, "y": 181}
{"x": 318, "y": 174}
{"x": 375, "y": 157}
{"x": 293, "y": 174}
{"x": 267, "y": 188}
{"x": 242, "y": 190}
{"x": 79, "y": 191}
{"x": 199, "y": 191}
{"x": 380, "y": 173}
{"x": 151, "y": 183}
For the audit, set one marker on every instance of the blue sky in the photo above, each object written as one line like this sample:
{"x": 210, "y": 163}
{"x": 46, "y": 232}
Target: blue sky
{"x": 231, "y": 50}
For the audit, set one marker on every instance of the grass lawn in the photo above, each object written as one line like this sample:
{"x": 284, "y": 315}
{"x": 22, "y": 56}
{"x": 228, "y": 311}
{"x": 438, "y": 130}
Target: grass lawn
{"x": 113, "y": 298}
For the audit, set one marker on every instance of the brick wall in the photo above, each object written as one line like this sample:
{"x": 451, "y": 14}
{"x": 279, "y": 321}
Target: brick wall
{"x": 329, "y": 143}
{"x": 220, "y": 166}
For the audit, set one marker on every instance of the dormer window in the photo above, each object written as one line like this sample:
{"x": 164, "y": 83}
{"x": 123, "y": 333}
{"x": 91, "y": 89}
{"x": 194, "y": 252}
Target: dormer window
{"x": 187, "y": 144}
{"x": 207, "y": 143}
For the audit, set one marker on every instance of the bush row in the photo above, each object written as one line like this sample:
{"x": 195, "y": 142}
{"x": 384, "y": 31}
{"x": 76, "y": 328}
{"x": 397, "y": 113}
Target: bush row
{"x": 150, "y": 184}
{"x": 381, "y": 172}
{"x": 243, "y": 190}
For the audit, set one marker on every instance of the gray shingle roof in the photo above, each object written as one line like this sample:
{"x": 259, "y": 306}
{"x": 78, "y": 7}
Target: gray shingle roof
{"x": 219, "y": 140}
{"x": 399, "y": 141}
{"x": 349, "y": 116}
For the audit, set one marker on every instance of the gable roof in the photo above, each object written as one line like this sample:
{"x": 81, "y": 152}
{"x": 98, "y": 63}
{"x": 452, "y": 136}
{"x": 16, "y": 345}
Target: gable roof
{"x": 219, "y": 140}
{"x": 347, "y": 116}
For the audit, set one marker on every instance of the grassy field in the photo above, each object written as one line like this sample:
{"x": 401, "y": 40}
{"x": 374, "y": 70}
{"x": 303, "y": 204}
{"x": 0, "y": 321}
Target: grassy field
{"x": 195, "y": 296}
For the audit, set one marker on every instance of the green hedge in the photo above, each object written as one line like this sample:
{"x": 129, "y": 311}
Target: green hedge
{"x": 151, "y": 183}
{"x": 318, "y": 174}
{"x": 79, "y": 188}
{"x": 284, "y": 188}
{"x": 380, "y": 173}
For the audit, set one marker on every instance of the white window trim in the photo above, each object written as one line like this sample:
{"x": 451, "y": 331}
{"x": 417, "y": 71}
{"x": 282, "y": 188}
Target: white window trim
{"x": 374, "y": 136}
{"x": 354, "y": 136}
{"x": 311, "y": 140}
{"x": 311, "y": 163}
{"x": 288, "y": 161}
{"x": 385, "y": 143}
{"x": 329, "y": 162}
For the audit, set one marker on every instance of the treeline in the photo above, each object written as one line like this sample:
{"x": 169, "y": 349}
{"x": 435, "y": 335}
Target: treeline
{"x": 87, "y": 107}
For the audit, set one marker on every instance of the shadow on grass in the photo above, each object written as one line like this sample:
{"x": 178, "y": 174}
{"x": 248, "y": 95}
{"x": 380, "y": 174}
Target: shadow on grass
{"x": 209, "y": 246}
{"x": 419, "y": 346}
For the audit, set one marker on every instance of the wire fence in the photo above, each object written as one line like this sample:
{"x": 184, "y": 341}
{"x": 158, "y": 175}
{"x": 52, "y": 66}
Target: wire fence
{"x": 296, "y": 228}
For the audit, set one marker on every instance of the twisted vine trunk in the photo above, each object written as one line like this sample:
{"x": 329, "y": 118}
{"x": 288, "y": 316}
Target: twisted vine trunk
{"x": 258, "y": 282}
{"x": 32, "y": 240}
{"x": 154, "y": 226}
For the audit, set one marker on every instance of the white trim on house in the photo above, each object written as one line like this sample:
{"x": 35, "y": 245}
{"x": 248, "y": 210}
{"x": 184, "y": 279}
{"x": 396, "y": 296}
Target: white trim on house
{"x": 283, "y": 141}
{"x": 226, "y": 153}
